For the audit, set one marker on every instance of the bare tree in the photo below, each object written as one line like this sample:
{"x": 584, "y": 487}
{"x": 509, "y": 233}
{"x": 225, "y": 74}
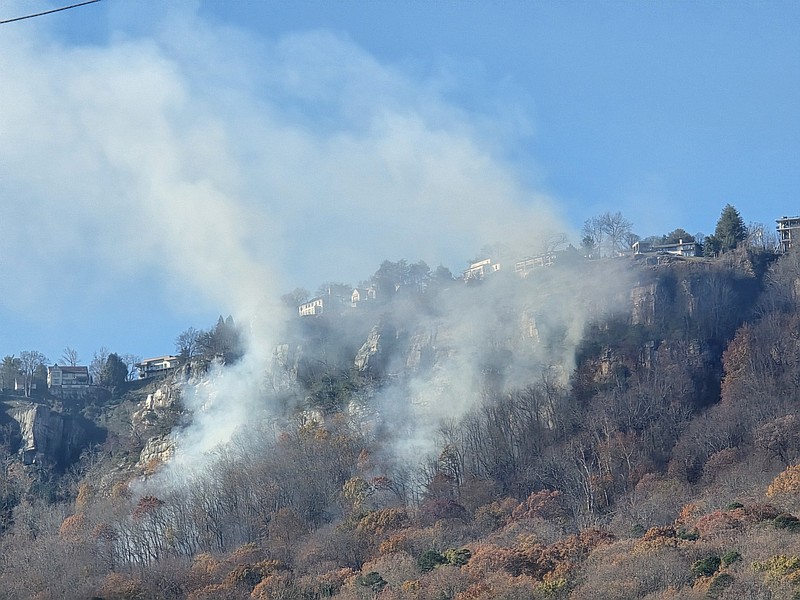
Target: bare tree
{"x": 296, "y": 297}
{"x": 608, "y": 233}
{"x": 761, "y": 237}
{"x": 70, "y": 357}
{"x": 552, "y": 242}
{"x": 188, "y": 343}
{"x": 31, "y": 361}
{"x": 98, "y": 362}
{"x": 131, "y": 360}
{"x": 593, "y": 235}
{"x": 618, "y": 230}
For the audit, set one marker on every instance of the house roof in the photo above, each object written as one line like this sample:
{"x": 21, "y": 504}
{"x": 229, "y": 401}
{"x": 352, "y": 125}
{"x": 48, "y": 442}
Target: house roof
{"x": 312, "y": 301}
{"x": 66, "y": 369}
{"x": 159, "y": 359}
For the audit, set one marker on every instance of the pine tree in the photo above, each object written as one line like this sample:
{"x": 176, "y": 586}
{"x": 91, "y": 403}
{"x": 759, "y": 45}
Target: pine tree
{"x": 114, "y": 371}
{"x": 730, "y": 229}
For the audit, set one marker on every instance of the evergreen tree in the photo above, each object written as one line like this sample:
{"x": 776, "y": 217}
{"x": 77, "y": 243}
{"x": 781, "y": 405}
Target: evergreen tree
{"x": 730, "y": 229}
{"x": 114, "y": 371}
{"x": 711, "y": 246}
{"x": 10, "y": 369}
{"x": 221, "y": 343}
{"x": 678, "y": 235}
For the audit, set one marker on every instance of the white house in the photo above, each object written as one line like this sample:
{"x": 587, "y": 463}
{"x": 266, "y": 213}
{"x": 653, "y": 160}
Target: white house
{"x": 680, "y": 248}
{"x": 362, "y": 295}
{"x": 315, "y": 306}
{"x": 479, "y": 270}
{"x": 158, "y": 366}
{"x": 529, "y": 263}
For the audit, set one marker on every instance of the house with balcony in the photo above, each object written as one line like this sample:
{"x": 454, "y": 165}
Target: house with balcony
{"x": 68, "y": 381}
{"x": 679, "y": 248}
{"x": 530, "y": 263}
{"x": 480, "y": 269}
{"x": 788, "y": 232}
{"x": 159, "y": 366}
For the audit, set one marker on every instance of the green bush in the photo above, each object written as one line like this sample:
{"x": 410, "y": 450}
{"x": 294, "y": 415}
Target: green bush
{"x": 786, "y": 521}
{"x": 638, "y": 530}
{"x": 429, "y": 560}
{"x": 372, "y": 580}
{"x": 706, "y": 567}
{"x": 730, "y": 557}
{"x": 719, "y": 583}
{"x": 457, "y": 557}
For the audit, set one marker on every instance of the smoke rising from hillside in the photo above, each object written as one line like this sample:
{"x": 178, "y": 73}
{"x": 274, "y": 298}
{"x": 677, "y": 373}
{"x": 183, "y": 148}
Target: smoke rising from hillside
{"x": 223, "y": 179}
{"x": 492, "y": 340}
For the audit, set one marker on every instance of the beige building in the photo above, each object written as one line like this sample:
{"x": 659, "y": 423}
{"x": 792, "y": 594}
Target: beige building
{"x": 68, "y": 381}
{"x": 158, "y": 366}
{"x": 788, "y": 232}
{"x": 680, "y": 248}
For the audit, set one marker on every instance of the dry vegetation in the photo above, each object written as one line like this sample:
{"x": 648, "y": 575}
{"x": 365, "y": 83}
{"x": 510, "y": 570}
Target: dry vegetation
{"x": 666, "y": 476}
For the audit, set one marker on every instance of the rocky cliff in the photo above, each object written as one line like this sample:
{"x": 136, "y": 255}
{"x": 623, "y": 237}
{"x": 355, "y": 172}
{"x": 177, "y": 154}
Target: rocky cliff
{"x": 153, "y": 420}
{"x": 374, "y": 355}
{"x": 46, "y": 434}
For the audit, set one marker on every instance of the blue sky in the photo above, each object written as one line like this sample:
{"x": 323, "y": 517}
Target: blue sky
{"x": 162, "y": 163}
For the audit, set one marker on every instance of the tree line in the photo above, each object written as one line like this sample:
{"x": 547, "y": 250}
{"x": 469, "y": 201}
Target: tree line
{"x": 611, "y": 234}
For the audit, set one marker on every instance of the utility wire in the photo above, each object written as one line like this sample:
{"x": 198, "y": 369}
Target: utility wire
{"x": 47, "y": 12}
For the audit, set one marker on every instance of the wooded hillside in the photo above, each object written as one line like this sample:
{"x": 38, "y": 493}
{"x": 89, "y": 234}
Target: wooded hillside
{"x": 605, "y": 429}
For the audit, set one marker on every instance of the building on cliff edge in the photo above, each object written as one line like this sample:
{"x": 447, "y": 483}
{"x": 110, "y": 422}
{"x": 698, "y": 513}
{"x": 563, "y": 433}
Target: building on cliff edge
{"x": 788, "y": 231}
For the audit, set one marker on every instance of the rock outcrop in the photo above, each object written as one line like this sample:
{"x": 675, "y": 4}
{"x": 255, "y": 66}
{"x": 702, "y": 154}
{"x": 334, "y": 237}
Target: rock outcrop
{"x": 421, "y": 354}
{"x": 285, "y": 366}
{"x": 159, "y": 407}
{"x": 644, "y": 305}
{"x": 45, "y": 434}
{"x": 157, "y": 451}
{"x": 374, "y": 354}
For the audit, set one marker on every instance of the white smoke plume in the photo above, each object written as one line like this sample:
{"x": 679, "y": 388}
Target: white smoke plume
{"x": 226, "y": 178}
{"x": 494, "y": 339}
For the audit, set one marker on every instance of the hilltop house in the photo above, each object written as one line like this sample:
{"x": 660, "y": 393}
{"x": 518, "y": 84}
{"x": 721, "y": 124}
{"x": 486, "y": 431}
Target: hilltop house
{"x": 331, "y": 301}
{"x": 788, "y": 230}
{"x": 362, "y": 295}
{"x": 158, "y": 366}
{"x": 68, "y": 382}
{"x": 315, "y": 306}
{"x": 680, "y": 248}
{"x": 529, "y": 263}
{"x": 479, "y": 270}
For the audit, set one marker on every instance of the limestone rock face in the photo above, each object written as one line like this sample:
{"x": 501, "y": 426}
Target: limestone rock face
{"x": 45, "y": 433}
{"x": 163, "y": 397}
{"x": 644, "y": 299}
{"x": 158, "y": 406}
{"x": 421, "y": 354}
{"x": 376, "y": 350}
{"x": 368, "y": 350}
{"x": 285, "y": 366}
{"x": 530, "y": 328}
{"x": 158, "y": 450}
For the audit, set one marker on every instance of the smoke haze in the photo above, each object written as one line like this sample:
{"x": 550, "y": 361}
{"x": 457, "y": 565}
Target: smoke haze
{"x": 225, "y": 179}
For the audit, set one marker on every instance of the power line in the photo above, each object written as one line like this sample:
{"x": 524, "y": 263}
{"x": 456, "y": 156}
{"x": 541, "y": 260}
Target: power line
{"x": 47, "y": 12}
